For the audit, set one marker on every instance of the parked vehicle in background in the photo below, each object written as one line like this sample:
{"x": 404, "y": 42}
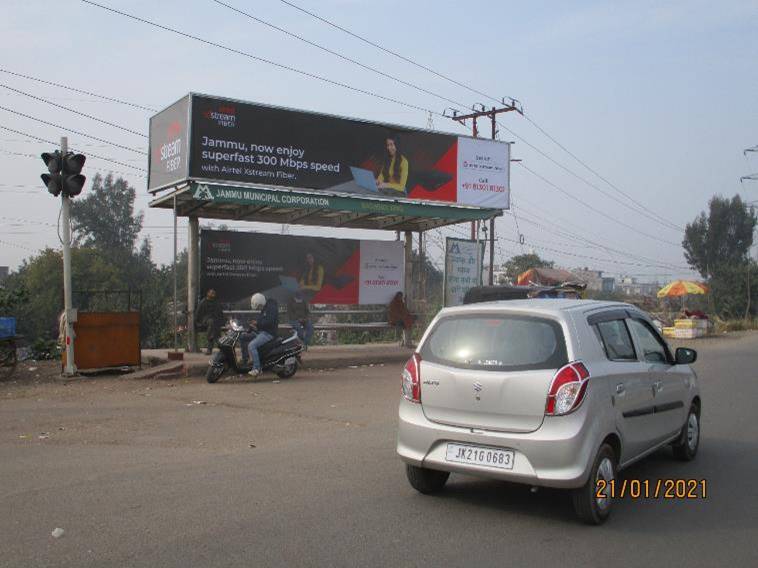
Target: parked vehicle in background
{"x": 506, "y": 292}
{"x": 556, "y": 393}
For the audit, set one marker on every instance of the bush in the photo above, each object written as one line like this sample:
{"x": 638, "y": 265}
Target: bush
{"x": 44, "y": 350}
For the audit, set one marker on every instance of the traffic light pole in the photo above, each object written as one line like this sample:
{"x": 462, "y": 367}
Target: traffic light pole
{"x": 70, "y": 368}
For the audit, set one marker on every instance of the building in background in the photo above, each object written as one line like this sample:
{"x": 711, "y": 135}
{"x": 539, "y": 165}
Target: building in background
{"x": 630, "y": 286}
{"x": 595, "y": 279}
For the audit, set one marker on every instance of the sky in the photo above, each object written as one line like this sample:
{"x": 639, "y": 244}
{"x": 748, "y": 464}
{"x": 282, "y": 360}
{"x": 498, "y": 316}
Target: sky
{"x": 660, "y": 98}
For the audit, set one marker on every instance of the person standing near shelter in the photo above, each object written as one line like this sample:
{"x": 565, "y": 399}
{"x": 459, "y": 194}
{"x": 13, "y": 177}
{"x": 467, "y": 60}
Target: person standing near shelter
{"x": 399, "y": 317}
{"x": 210, "y": 317}
{"x": 299, "y": 315}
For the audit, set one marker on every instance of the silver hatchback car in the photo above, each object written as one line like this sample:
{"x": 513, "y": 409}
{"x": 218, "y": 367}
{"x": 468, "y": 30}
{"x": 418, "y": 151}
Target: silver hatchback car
{"x": 556, "y": 393}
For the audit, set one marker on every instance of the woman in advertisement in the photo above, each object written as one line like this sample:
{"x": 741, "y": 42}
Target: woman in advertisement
{"x": 312, "y": 276}
{"x": 393, "y": 176}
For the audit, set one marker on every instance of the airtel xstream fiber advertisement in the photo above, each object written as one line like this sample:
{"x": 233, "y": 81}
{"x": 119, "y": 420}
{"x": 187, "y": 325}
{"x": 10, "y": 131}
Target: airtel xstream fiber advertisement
{"x": 324, "y": 270}
{"x": 232, "y": 141}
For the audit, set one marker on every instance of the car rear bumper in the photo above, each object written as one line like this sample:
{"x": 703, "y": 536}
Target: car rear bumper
{"x": 558, "y": 454}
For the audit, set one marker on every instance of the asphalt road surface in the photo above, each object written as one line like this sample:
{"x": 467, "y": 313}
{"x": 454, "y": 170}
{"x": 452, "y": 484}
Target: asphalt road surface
{"x": 303, "y": 473}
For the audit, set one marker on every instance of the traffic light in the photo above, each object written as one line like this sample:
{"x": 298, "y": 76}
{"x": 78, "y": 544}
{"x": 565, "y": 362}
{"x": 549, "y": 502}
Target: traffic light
{"x": 52, "y": 181}
{"x": 65, "y": 173}
{"x": 71, "y": 176}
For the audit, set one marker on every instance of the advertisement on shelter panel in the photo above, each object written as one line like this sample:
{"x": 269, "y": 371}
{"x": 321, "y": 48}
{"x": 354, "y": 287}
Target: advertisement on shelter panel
{"x": 323, "y": 270}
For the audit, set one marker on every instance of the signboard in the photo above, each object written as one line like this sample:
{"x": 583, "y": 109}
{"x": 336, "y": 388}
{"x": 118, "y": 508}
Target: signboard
{"x": 324, "y": 270}
{"x": 463, "y": 268}
{"x": 169, "y": 144}
{"x": 288, "y": 199}
{"x": 238, "y": 142}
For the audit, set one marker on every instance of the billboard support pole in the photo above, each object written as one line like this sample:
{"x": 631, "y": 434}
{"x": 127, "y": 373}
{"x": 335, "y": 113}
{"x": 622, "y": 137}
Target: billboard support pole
{"x": 492, "y": 252}
{"x": 193, "y": 264}
{"x": 176, "y": 280}
{"x": 409, "y": 300}
{"x": 422, "y": 272}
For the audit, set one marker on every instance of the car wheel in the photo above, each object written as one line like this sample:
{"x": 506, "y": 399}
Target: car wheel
{"x": 685, "y": 448}
{"x": 425, "y": 480}
{"x": 589, "y": 507}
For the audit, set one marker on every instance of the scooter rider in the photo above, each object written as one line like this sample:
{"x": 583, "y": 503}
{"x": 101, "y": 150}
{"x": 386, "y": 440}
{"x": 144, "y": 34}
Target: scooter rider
{"x": 266, "y": 326}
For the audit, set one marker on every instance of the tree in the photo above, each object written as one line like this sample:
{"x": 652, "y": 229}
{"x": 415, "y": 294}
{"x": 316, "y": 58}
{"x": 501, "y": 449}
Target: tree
{"x": 42, "y": 276}
{"x": 523, "y": 262}
{"x": 723, "y": 237}
{"x": 106, "y": 256}
{"x": 105, "y": 218}
{"x": 717, "y": 245}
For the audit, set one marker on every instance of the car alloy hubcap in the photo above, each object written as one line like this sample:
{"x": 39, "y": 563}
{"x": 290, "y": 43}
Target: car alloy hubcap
{"x": 693, "y": 431}
{"x": 604, "y": 472}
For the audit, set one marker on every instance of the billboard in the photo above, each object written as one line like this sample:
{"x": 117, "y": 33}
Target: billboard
{"x": 463, "y": 268}
{"x": 238, "y": 142}
{"x": 325, "y": 270}
{"x": 168, "y": 161}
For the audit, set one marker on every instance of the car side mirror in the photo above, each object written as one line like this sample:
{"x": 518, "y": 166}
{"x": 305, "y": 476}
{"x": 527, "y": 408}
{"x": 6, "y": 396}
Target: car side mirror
{"x": 685, "y": 356}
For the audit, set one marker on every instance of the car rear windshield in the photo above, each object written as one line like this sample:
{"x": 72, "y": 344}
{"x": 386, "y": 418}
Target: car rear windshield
{"x": 496, "y": 343}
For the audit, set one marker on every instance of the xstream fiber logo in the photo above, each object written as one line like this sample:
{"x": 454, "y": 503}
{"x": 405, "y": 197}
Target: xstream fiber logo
{"x": 224, "y": 116}
{"x": 169, "y": 154}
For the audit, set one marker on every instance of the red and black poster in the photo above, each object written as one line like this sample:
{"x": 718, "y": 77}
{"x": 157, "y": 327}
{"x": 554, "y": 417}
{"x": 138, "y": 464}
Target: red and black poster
{"x": 248, "y": 143}
{"x": 324, "y": 270}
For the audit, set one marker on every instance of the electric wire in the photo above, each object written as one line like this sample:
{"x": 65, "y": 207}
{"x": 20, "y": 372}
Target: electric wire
{"x": 338, "y": 54}
{"x": 587, "y": 166}
{"x": 344, "y": 85}
{"x": 69, "y": 109}
{"x": 75, "y": 90}
{"x": 384, "y": 49}
{"x": 595, "y": 209}
{"x": 261, "y": 59}
{"x": 641, "y": 208}
{"x": 70, "y": 130}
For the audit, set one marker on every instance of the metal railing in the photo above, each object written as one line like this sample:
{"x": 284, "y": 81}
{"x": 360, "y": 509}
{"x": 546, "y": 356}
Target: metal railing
{"x": 317, "y": 314}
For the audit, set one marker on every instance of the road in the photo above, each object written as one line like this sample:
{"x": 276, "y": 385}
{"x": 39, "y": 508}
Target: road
{"x": 303, "y": 473}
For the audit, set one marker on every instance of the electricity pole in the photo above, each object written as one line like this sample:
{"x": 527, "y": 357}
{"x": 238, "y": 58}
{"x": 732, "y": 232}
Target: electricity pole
{"x": 480, "y": 111}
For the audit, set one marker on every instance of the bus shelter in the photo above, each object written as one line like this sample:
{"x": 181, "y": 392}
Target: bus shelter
{"x": 224, "y": 159}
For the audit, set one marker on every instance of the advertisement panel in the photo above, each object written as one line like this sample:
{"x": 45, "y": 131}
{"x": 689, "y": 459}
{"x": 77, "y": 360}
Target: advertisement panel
{"x": 169, "y": 144}
{"x": 324, "y": 270}
{"x": 463, "y": 268}
{"x": 233, "y": 141}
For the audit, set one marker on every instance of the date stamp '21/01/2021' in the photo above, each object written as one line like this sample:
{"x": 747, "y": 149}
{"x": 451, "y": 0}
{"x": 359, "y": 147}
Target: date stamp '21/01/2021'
{"x": 652, "y": 489}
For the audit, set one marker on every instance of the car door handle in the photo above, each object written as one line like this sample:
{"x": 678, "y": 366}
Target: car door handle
{"x": 620, "y": 388}
{"x": 658, "y": 386}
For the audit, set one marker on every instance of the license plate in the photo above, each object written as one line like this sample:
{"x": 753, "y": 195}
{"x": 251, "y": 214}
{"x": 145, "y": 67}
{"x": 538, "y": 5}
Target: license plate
{"x": 478, "y": 455}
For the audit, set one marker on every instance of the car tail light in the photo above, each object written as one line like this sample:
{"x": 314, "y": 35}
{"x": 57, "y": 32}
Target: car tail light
{"x": 567, "y": 389}
{"x": 412, "y": 379}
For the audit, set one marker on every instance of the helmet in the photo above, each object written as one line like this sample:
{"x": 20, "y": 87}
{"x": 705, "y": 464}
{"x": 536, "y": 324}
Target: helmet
{"x": 257, "y": 301}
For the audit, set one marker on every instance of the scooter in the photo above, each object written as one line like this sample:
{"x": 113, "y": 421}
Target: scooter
{"x": 280, "y": 355}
